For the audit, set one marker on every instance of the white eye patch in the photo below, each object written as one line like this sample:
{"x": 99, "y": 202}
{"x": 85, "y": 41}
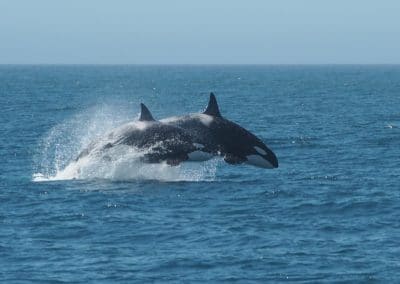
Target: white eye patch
{"x": 260, "y": 151}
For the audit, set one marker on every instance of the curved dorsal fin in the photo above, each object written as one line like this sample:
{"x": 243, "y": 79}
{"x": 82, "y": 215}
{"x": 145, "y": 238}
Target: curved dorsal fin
{"x": 145, "y": 114}
{"x": 212, "y": 107}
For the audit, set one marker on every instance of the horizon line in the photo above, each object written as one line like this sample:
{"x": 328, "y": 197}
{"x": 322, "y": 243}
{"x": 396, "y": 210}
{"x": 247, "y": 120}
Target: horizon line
{"x": 199, "y": 64}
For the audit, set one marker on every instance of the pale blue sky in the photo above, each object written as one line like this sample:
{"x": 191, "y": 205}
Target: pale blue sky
{"x": 199, "y": 32}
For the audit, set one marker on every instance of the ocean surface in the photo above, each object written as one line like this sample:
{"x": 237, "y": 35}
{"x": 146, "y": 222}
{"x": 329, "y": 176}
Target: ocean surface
{"x": 329, "y": 213}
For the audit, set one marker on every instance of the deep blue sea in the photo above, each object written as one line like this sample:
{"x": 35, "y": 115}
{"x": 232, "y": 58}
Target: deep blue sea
{"x": 329, "y": 213}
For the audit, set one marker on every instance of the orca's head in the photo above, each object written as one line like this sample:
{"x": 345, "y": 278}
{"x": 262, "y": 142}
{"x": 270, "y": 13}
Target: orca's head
{"x": 259, "y": 155}
{"x": 239, "y": 145}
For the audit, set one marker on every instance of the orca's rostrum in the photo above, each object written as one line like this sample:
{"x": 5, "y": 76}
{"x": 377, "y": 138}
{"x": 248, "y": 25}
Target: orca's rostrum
{"x": 193, "y": 137}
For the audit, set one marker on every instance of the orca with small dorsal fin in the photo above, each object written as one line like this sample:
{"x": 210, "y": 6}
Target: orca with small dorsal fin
{"x": 214, "y": 135}
{"x": 158, "y": 141}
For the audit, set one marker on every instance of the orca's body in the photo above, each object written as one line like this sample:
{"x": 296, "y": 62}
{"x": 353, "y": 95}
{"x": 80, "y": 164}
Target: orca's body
{"x": 215, "y": 135}
{"x": 195, "y": 137}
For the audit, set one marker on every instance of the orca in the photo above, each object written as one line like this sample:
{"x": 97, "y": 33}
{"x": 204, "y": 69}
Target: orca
{"x": 159, "y": 142}
{"x": 214, "y": 135}
{"x": 193, "y": 137}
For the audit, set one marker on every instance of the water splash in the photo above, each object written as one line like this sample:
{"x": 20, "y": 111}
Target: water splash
{"x": 57, "y": 151}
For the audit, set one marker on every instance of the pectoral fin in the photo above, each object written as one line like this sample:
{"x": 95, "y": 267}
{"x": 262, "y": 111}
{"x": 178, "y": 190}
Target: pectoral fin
{"x": 233, "y": 160}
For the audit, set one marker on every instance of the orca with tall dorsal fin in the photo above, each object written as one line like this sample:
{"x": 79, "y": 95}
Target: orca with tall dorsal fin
{"x": 214, "y": 135}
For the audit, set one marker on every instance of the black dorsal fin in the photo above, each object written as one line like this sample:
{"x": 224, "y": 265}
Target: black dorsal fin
{"x": 212, "y": 108}
{"x": 145, "y": 114}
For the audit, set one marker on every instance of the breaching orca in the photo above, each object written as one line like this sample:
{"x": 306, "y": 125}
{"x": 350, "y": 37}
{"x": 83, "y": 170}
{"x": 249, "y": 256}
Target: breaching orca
{"x": 194, "y": 137}
{"x": 159, "y": 141}
{"x": 214, "y": 135}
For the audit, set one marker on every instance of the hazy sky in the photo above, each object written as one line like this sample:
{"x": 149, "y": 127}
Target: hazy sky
{"x": 199, "y": 32}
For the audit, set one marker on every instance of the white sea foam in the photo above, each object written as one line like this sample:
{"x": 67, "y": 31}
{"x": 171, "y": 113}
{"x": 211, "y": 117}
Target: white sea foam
{"x": 55, "y": 159}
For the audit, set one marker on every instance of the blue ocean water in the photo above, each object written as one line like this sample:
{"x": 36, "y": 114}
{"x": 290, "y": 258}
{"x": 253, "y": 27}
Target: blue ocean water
{"x": 329, "y": 213}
